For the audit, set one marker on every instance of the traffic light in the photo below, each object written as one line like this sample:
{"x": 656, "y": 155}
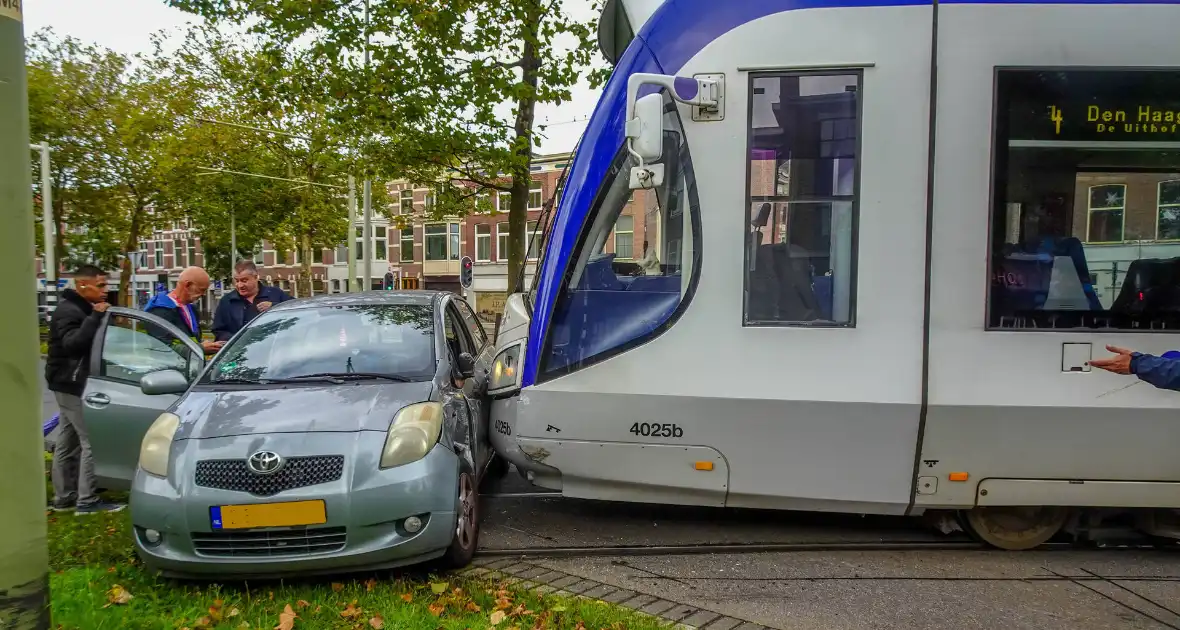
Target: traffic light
{"x": 388, "y": 281}
{"x": 465, "y": 272}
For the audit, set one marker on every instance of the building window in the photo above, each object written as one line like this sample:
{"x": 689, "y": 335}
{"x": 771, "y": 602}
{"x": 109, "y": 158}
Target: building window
{"x": 360, "y": 242}
{"x": 483, "y": 242}
{"x": 453, "y": 229}
{"x": 179, "y": 254}
{"x": 191, "y": 246}
{"x": 317, "y": 255}
{"x": 259, "y": 256}
{"x": 335, "y": 286}
{"x": 342, "y": 253}
{"x": 1168, "y": 210}
{"x": 590, "y": 320}
{"x": 143, "y": 254}
{"x": 380, "y": 242}
{"x": 1107, "y": 212}
{"x": 159, "y": 254}
{"x": 536, "y": 196}
{"x": 502, "y": 241}
{"x": 407, "y": 202}
{"x": 504, "y": 201}
{"x": 624, "y": 237}
{"x": 435, "y": 241}
{"x": 1067, "y": 252}
{"x": 801, "y": 209}
{"x": 533, "y": 238}
{"x": 407, "y": 245}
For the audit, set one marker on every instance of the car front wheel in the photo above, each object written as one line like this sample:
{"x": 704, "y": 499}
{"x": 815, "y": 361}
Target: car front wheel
{"x": 466, "y": 535}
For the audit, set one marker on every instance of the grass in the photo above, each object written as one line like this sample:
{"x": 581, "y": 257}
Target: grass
{"x": 97, "y": 582}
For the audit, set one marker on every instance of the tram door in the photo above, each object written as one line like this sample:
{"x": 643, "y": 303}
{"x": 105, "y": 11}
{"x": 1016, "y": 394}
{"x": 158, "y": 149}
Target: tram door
{"x": 1057, "y": 214}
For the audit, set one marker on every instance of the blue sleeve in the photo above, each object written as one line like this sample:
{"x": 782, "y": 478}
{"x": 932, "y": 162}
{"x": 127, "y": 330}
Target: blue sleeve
{"x": 221, "y": 324}
{"x": 1161, "y": 372}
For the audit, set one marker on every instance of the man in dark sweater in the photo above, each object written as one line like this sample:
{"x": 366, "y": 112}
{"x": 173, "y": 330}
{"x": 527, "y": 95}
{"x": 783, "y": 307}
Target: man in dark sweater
{"x": 236, "y": 309}
{"x": 72, "y": 330}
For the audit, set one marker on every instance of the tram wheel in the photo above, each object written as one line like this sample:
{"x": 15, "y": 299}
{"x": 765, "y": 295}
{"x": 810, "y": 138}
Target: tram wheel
{"x": 1016, "y": 528}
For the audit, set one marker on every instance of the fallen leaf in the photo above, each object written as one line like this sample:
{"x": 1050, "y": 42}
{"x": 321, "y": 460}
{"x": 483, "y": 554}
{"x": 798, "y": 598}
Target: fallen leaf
{"x": 369, "y": 584}
{"x": 337, "y": 587}
{"x": 408, "y": 597}
{"x": 117, "y": 596}
{"x": 581, "y": 625}
{"x": 205, "y": 622}
{"x": 473, "y": 607}
{"x": 233, "y": 612}
{"x": 436, "y": 609}
{"x": 287, "y": 619}
{"x": 301, "y": 604}
{"x": 559, "y": 608}
{"x": 438, "y": 588}
{"x": 215, "y": 611}
{"x": 351, "y": 611}
{"x": 497, "y": 617}
{"x": 377, "y": 622}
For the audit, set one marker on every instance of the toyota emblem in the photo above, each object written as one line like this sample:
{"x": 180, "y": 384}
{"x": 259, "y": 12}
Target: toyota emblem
{"x": 264, "y": 462}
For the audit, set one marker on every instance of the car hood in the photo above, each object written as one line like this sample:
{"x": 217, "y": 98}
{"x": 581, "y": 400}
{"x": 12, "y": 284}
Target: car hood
{"x": 296, "y": 409}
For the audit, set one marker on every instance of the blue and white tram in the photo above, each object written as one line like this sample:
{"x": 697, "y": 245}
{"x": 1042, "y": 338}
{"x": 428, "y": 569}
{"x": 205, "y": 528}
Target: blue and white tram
{"x": 854, "y": 255}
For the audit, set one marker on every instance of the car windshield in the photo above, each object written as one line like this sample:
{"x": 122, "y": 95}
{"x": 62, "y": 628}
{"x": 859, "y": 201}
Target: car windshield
{"x": 390, "y": 341}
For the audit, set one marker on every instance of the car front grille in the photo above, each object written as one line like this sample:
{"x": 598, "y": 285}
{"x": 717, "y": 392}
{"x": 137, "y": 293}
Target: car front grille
{"x": 293, "y": 542}
{"x": 297, "y": 472}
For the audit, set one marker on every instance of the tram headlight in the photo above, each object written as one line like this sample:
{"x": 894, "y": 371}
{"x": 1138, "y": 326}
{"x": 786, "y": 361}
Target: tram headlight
{"x": 505, "y": 373}
{"x": 413, "y": 432}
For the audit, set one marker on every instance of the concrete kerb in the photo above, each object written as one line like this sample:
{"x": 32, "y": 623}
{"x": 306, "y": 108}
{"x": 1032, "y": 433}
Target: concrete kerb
{"x": 547, "y": 581}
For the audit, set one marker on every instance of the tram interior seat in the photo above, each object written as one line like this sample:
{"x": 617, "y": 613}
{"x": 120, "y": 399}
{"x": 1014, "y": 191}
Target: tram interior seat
{"x": 1150, "y": 286}
{"x": 605, "y": 311}
{"x": 781, "y": 285}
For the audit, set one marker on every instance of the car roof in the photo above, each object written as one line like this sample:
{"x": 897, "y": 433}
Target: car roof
{"x": 392, "y": 298}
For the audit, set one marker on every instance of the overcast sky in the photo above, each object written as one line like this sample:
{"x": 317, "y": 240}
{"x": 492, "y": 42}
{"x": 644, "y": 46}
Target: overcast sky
{"x": 126, "y": 26}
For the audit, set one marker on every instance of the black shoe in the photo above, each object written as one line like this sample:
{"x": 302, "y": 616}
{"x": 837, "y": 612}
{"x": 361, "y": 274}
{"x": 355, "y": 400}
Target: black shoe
{"x": 54, "y": 506}
{"x": 99, "y": 507}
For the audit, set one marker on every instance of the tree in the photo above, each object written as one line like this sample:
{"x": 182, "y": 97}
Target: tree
{"x": 424, "y": 81}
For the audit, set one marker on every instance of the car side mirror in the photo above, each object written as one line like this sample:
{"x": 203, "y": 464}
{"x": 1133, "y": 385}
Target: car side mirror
{"x": 163, "y": 382}
{"x": 465, "y": 365}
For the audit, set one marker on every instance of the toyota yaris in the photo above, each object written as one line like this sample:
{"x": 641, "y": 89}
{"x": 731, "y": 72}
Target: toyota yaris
{"x": 331, "y": 433}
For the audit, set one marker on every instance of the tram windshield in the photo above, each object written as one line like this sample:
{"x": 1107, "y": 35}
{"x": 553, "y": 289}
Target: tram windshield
{"x": 634, "y": 262}
{"x": 1086, "y": 201}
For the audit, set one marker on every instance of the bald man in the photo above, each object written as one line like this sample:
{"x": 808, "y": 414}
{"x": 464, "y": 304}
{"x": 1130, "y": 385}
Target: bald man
{"x": 177, "y": 306}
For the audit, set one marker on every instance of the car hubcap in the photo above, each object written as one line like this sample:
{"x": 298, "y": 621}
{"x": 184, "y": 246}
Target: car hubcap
{"x": 466, "y": 528}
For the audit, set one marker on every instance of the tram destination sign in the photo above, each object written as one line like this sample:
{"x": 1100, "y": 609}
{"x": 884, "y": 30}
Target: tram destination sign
{"x": 1089, "y": 105}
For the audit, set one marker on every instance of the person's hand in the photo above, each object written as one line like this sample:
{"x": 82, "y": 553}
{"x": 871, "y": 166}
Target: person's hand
{"x": 262, "y": 306}
{"x": 101, "y": 307}
{"x": 211, "y": 347}
{"x": 1120, "y": 363}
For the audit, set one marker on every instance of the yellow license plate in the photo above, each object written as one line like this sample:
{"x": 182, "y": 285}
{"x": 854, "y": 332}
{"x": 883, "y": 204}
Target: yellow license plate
{"x": 269, "y": 515}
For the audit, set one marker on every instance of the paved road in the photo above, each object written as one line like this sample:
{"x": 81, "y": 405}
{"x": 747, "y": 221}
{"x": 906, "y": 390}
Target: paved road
{"x": 1070, "y": 590}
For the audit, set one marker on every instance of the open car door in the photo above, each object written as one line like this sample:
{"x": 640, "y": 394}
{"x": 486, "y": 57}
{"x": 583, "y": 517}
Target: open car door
{"x": 129, "y": 345}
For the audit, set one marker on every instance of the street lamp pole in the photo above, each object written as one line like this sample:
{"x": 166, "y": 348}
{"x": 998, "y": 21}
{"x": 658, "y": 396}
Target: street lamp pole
{"x": 351, "y": 233}
{"x": 24, "y": 556}
{"x": 367, "y": 250}
{"x": 47, "y": 225}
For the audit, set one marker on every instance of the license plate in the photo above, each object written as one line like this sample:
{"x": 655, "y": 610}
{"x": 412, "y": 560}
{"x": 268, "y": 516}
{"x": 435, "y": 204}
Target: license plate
{"x": 290, "y": 514}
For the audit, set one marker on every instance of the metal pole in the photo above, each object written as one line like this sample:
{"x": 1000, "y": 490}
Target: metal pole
{"x": 351, "y": 234}
{"x": 367, "y": 250}
{"x": 48, "y": 228}
{"x": 24, "y": 556}
{"x": 233, "y": 238}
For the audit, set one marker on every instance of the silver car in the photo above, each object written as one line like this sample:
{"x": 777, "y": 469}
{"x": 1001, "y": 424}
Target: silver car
{"x": 332, "y": 433}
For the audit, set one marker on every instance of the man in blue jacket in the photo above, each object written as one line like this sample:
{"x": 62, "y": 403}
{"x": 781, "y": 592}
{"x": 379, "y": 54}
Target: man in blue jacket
{"x": 237, "y": 308}
{"x": 1162, "y": 372}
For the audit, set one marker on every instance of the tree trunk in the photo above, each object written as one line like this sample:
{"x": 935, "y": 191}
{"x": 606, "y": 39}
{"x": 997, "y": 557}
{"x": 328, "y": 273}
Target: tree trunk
{"x": 305, "y": 266}
{"x": 518, "y": 211}
{"x": 24, "y": 556}
{"x": 130, "y": 245}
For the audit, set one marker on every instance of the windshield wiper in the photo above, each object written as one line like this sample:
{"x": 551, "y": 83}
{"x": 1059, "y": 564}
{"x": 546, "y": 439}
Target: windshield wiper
{"x": 231, "y": 380}
{"x": 340, "y": 377}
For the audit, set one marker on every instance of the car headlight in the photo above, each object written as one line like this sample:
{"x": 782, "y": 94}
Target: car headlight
{"x": 414, "y": 431}
{"x": 505, "y": 373}
{"x": 156, "y": 448}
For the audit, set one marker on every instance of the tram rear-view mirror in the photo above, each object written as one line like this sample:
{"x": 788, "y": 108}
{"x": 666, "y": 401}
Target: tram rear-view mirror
{"x": 646, "y": 130}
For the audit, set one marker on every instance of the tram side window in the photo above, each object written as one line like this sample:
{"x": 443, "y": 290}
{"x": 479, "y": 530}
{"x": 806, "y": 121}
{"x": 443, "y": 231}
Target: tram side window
{"x": 633, "y": 268}
{"x": 801, "y": 206}
{"x": 1086, "y": 200}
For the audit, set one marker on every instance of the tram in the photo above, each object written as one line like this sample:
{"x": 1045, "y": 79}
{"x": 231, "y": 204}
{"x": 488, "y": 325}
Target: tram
{"x": 855, "y": 256}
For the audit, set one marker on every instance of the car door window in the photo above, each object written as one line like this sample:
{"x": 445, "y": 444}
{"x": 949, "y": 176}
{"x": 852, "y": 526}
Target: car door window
{"x": 133, "y": 347}
{"x": 456, "y": 333}
{"x": 474, "y": 328}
